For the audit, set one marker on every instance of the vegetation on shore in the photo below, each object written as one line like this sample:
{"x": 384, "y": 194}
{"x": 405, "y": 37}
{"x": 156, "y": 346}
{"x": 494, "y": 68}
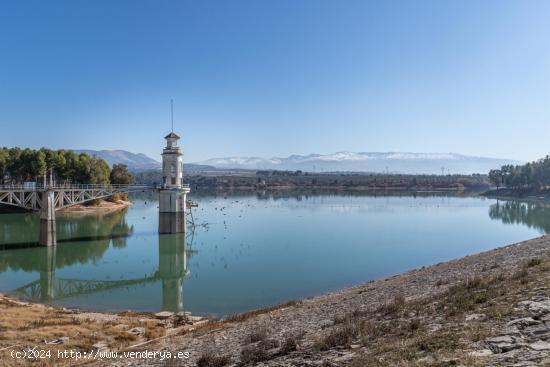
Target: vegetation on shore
{"x": 530, "y": 177}
{"x": 22, "y": 165}
{"x": 291, "y": 180}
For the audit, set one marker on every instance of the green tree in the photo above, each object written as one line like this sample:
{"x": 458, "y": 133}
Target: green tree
{"x": 4, "y": 161}
{"x": 495, "y": 177}
{"x": 120, "y": 175}
{"x": 99, "y": 171}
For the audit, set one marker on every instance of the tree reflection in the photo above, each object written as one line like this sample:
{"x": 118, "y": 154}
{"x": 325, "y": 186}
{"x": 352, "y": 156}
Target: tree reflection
{"x": 532, "y": 214}
{"x": 93, "y": 233}
{"x": 20, "y": 229}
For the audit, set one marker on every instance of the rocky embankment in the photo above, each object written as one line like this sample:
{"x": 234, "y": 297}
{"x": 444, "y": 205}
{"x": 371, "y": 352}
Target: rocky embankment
{"x": 26, "y": 326}
{"x": 490, "y": 309}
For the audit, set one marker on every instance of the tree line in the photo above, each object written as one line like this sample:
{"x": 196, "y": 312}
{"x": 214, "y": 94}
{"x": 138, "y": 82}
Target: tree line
{"x": 533, "y": 175}
{"x": 23, "y": 165}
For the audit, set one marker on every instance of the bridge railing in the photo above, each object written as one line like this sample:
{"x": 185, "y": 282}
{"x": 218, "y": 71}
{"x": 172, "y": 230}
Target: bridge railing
{"x": 41, "y": 187}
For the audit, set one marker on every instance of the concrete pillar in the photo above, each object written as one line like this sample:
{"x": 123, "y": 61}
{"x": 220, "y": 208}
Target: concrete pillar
{"x": 170, "y": 223}
{"x": 172, "y": 270}
{"x": 47, "y": 210}
{"x": 172, "y": 200}
{"x": 47, "y": 219}
{"x": 172, "y": 217}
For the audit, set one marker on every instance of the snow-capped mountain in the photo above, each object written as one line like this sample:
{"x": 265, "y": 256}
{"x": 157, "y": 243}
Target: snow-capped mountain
{"x": 393, "y": 162}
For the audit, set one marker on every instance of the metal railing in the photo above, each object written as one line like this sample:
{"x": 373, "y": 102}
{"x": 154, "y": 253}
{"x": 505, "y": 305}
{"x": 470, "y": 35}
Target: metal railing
{"x": 41, "y": 187}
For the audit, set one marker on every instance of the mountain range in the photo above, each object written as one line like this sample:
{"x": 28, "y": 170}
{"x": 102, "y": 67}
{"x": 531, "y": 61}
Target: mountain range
{"x": 375, "y": 162}
{"x": 134, "y": 161}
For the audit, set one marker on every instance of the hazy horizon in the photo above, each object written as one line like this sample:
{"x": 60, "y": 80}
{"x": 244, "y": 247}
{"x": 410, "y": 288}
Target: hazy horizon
{"x": 272, "y": 79}
{"x": 158, "y": 159}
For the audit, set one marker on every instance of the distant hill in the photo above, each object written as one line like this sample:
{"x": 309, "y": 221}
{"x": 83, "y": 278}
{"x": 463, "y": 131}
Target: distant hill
{"x": 134, "y": 161}
{"x": 392, "y": 162}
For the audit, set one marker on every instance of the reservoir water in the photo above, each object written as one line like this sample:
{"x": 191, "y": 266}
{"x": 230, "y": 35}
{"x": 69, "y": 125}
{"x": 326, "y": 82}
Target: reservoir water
{"x": 249, "y": 251}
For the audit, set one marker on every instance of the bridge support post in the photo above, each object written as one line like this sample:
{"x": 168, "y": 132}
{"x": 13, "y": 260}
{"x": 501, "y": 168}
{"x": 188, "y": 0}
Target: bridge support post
{"x": 47, "y": 219}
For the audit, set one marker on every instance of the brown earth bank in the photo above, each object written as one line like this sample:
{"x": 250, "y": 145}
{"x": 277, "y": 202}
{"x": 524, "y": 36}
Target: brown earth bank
{"x": 97, "y": 207}
{"x": 53, "y": 330}
{"x": 489, "y": 309}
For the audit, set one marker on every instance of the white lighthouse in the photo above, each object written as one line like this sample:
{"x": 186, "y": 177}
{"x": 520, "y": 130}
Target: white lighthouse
{"x": 172, "y": 163}
{"x": 173, "y": 194}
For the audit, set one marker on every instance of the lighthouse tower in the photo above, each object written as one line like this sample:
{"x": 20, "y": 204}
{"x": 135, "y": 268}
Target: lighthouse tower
{"x": 173, "y": 192}
{"x": 172, "y": 163}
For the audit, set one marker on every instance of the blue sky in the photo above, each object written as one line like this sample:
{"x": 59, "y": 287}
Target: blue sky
{"x": 279, "y": 77}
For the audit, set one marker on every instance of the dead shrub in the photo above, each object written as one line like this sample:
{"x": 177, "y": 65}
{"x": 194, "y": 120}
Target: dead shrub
{"x": 290, "y": 344}
{"x": 208, "y": 359}
{"x": 533, "y": 262}
{"x": 253, "y": 354}
{"x": 256, "y": 336}
{"x": 393, "y": 307}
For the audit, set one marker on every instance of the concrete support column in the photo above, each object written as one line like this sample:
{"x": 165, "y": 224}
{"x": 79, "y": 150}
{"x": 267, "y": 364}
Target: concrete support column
{"x": 170, "y": 223}
{"x": 172, "y": 217}
{"x": 47, "y": 219}
{"x": 172, "y": 200}
{"x": 47, "y": 211}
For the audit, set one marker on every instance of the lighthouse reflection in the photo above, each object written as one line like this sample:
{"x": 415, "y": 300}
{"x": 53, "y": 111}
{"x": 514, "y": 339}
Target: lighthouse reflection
{"x": 49, "y": 288}
{"x": 172, "y": 270}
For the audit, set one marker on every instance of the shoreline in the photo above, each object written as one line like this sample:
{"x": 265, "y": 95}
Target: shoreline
{"x": 466, "y": 311}
{"x": 509, "y": 194}
{"x": 325, "y": 328}
{"x": 103, "y": 207}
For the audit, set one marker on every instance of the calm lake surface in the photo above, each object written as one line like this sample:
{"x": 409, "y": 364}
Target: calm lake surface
{"x": 250, "y": 251}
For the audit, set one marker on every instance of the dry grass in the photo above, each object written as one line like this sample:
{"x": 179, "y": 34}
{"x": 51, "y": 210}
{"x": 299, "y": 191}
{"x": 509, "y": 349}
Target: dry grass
{"x": 395, "y": 339}
{"x": 247, "y": 315}
{"x": 209, "y": 359}
{"x": 257, "y": 335}
{"x": 253, "y": 354}
{"x": 289, "y": 345}
{"x": 26, "y": 324}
